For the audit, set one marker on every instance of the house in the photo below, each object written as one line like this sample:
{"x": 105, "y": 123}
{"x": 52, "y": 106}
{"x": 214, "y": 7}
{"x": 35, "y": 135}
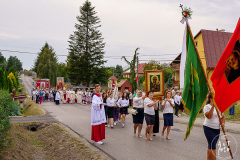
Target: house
{"x": 127, "y": 73}
{"x": 210, "y": 45}
{"x": 123, "y": 85}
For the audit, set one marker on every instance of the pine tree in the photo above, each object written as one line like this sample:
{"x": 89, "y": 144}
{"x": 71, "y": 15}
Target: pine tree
{"x": 86, "y": 47}
{"x": 36, "y": 63}
{"x": 47, "y": 64}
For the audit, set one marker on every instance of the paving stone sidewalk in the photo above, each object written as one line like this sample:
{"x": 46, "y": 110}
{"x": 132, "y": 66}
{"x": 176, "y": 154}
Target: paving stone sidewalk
{"x": 233, "y": 127}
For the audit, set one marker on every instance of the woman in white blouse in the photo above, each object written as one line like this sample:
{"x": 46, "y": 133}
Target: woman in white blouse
{"x": 211, "y": 127}
{"x": 149, "y": 112}
{"x": 167, "y": 105}
{"x": 110, "y": 110}
{"x": 123, "y": 103}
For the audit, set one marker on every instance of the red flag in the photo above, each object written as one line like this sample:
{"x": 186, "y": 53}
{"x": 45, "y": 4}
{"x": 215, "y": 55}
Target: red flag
{"x": 136, "y": 79}
{"x": 226, "y": 75}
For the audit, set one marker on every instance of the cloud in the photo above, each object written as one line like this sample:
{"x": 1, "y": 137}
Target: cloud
{"x": 5, "y": 36}
{"x": 152, "y": 25}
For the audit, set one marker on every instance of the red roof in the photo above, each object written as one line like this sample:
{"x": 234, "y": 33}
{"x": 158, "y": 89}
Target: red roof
{"x": 214, "y": 43}
{"x": 122, "y": 82}
{"x": 140, "y": 69}
{"x": 112, "y": 78}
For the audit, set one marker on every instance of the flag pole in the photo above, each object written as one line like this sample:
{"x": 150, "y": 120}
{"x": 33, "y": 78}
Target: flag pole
{"x": 215, "y": 105}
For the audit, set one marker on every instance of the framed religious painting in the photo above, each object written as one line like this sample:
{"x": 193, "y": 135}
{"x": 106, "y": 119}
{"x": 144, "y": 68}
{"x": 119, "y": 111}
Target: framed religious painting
{"x": 60, "y": 83}
{"x": 154, "y": 81}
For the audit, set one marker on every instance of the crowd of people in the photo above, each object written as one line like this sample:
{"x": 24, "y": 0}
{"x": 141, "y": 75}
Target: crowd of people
{"x": 64, "y": 96}
{"x": 110, "y": 111}
{"x": 107, "y": 111}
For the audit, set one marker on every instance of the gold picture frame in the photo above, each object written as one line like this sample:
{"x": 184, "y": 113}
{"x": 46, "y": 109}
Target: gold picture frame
{"x": 154, "y": 81}
{"x": 60, "y": 83}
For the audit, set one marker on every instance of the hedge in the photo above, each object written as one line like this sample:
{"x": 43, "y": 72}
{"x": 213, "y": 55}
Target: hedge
{"x": 7, "y": 108}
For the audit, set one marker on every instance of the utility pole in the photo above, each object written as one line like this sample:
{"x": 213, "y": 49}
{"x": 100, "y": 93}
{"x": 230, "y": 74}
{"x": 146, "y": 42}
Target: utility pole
{"x": 137, "y": 72}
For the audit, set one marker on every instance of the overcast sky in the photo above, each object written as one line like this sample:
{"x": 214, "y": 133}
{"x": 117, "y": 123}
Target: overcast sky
{"x": 152, "y": 25}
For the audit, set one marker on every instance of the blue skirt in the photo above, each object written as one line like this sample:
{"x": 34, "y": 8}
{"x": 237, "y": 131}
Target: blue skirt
{"x": 168, "y": 119}
{"x": 212, "y": 136}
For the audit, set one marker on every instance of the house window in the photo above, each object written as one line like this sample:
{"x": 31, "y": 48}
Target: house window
{"x": 196, "y": 43}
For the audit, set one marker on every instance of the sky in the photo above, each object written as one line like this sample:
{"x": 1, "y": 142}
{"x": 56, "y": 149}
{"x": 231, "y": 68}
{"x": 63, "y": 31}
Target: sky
{"x": 152, "y": 25}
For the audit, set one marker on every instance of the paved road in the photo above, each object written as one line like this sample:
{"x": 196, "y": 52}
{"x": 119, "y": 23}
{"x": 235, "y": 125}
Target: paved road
{"x": 121, "y": 144}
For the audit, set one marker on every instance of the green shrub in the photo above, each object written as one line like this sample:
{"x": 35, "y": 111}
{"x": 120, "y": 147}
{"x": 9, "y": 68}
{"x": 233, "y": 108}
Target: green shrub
{"x": 14, "y": 109}
{"x": 5, "y": 100}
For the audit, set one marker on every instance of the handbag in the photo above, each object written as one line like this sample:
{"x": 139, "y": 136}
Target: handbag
{"x": 132, "y": 111}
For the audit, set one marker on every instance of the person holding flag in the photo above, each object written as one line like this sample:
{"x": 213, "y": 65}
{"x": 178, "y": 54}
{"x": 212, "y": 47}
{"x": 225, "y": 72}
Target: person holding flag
{"x": 195, "y": 85}
{"x": 211, "y": 127}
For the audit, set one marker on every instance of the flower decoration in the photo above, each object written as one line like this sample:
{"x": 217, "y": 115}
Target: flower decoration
{"x": 186, "y": 13}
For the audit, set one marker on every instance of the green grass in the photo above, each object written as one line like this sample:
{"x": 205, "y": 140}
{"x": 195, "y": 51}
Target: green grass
{"x": 235, "y": 117}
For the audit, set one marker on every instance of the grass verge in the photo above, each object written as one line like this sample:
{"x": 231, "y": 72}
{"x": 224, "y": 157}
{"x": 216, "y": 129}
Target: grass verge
{"x": 30, "y": 108}
{"x": 234, "y": 118}
{"x": 49, "y": 142}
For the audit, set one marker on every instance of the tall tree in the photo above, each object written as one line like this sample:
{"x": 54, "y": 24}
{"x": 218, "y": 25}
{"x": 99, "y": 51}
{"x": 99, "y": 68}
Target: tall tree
{"x": 62, "y": 71}
{"x": 36, "y": 63}
{"x": 14, "y": 62}
{"x": 86, "y": 47}
{"x": 47, "y": 64}
{"x": 2, "y": 60}
{"x": 132, "y": 68}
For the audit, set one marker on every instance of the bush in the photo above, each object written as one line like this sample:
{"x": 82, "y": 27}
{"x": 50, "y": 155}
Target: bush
{"x": 14, "y": 109}
{"x": 5, "y": 100}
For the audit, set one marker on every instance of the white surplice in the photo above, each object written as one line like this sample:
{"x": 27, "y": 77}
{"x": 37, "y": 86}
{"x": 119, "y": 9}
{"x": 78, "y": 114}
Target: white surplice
{"x": 97, "y": 111}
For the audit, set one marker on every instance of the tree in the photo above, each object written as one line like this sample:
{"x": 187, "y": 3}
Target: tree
{"x": 86, "y": 47}
{"x": 101, "y": 75}
{"x": 62, "y": 71}
{"x": 132, "y": 68}
{"x": 14, "y": 62}
{"x": 36, "y": 63}
{"x": 118, "y": 72}
{"x": 2, "y": 59}
{"x": 2, "y": 79}
{"x": 47, "y": 64}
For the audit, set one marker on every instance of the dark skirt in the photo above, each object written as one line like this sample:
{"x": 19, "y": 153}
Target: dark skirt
{"x": 181, "y": 107}
{"x": 110, "y": 112}
{"x": 57, "y": 102}
{"x": 149, "y": 119}
{"x": 105, "y": 109}
{"x": 138, "y": 118}
{"x": 168, "y": 119}
{"x": 156, "y": 122}
{"x": 212, "y": 136}
{"x": 124, "y": 110}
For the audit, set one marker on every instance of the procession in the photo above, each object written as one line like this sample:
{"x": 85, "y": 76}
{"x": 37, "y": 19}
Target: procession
{"x": 110, "y": 107}
{"x": 98, "y": 79}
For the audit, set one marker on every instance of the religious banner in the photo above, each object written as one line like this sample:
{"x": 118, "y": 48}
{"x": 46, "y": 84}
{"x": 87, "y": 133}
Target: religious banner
{"x": 154, "y": 81}
{"x": 225, "y": 77}
{"x": 60, "y": 83}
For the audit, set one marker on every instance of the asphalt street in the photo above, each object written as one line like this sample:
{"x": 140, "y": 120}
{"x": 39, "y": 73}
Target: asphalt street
{"x": 121, "y": 143}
